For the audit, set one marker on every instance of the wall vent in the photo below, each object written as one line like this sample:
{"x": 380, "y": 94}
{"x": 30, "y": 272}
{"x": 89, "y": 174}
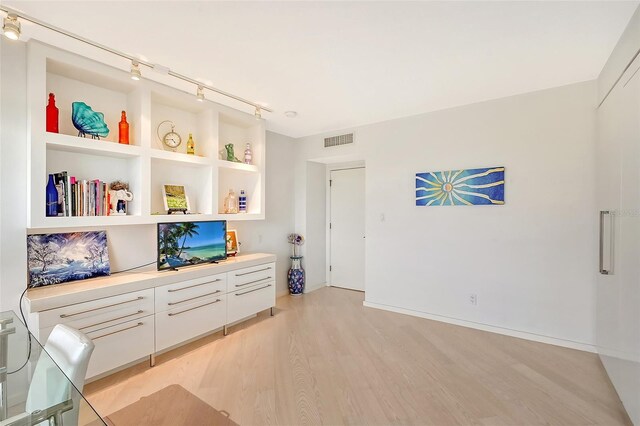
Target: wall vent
{"x": 338, "y": 140}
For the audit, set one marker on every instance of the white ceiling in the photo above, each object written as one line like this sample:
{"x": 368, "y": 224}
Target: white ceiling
{"x": 341, "y": 64}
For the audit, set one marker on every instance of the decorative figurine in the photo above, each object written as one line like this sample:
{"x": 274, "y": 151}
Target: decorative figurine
{"x": 230, "y": 154}
{"x": 123, "y": 129}
{"x": 230, "y": 203}
{"x": 119, "y": 195}
{"x": 248, "y": 154}
{"x": 52, "y": 114}
{"x": 88, "y": 121}
{"x": 191, "y": 146}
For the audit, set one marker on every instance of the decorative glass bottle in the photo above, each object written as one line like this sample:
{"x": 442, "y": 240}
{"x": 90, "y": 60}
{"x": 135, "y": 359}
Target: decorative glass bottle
{"x": 191, "y": 146}
{"x": 52, "y": 114}
{"x": 248, "y": 154}
{"x": 51, "y": 198}
{"x": 242, "y": 202}
{"x": 123, "y": 129}
{"x": 295, "y": 276}
{"x": 231, "y": 203}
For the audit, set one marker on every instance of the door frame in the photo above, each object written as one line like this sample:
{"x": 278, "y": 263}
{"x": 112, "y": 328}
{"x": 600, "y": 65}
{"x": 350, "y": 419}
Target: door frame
{"x": 332, "y": 168}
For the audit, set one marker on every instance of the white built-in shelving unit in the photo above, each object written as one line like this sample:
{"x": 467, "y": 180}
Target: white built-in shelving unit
{"x": 145, "y": 163}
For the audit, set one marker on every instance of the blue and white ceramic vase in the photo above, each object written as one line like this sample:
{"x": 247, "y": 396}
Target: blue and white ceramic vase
{"x": 296, "y": 276}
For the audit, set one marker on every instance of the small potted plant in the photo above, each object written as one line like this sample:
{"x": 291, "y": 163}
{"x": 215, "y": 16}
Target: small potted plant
{"x": 295, "y": 276}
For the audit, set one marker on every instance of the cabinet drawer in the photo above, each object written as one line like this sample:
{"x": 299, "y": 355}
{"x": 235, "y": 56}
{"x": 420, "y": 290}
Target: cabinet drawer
{"x": 190, "y": 320}
{"x": 186, "y": 292}
{"x": 121, "y": 344}
{"x": 246, "y": 277}
{"x": 248, "y": 301}
{"x": 100, "y": 310}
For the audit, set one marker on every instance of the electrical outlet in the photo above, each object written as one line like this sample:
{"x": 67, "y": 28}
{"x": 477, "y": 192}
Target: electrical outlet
{"x": 473, "y": 299}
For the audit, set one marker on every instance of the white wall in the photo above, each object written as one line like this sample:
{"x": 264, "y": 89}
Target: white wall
{"x": 129, "y": 246}
{"x": 270, "y": 235}
{"x": 13, "y": 173}
{"x": 530, "y": 261}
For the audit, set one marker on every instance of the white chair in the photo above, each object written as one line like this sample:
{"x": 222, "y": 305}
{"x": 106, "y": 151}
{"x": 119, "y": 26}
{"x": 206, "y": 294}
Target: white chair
{"x": 71, "y": 350}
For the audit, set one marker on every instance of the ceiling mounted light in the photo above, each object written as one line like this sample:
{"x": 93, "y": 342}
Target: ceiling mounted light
{"x": 258, "y": 113}
{"x": 290, "y": 114}
{"x": 11, "y": 27}
{"x": 135, "y": 71}
{"x": 200, "y": 94}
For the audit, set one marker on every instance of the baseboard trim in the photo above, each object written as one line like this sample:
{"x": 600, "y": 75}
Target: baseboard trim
{"x": 486, "y": 327}
{"x": 310, "y": 288}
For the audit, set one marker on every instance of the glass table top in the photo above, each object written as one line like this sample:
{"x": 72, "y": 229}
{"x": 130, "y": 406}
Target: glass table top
{"x": 25, "y": 401}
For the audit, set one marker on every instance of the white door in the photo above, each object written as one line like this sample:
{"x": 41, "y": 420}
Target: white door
{"x": 347, "y": 228}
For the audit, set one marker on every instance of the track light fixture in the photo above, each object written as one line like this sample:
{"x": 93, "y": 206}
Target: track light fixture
{"x": 11, "y": 27}
{"x": 135, "y": 71}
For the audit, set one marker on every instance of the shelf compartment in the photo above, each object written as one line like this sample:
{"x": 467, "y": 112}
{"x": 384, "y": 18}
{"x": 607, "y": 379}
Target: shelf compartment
{"x": 252, "y": 168}
{"x": 197, "y": 182}
{"x": 109, "y": 93}
{"x": 180, "y": 158}
{"x": 75, "y": 144}
{"x": 237, "y": 180}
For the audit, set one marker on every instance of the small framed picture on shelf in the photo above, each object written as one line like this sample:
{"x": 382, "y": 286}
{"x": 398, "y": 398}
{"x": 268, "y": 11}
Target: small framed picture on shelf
{"x": 233, "y": 247}
{"x": 175, "y": 199}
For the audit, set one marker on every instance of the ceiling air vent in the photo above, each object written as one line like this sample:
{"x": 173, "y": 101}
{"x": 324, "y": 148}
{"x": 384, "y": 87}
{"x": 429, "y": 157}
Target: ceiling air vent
{"x": 338, "y": 140}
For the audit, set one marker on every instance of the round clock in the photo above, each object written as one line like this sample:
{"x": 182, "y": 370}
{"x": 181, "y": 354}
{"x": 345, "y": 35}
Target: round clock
{"x": 170, "y": 139}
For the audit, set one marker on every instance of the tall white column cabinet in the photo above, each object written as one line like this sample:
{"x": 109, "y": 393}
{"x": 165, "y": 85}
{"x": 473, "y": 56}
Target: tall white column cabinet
{"x": 618, "y": 202}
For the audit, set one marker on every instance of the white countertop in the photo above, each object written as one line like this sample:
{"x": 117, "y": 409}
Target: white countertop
{"x": 55, "y": 296}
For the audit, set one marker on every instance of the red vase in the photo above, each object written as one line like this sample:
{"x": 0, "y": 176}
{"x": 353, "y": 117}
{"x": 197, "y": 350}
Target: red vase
{"x": 52, "y": 114}
{"x": 123, "y": 129}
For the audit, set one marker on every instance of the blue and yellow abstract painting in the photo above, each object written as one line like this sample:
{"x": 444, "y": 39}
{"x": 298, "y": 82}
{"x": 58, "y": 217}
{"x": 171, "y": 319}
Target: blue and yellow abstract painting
{"x": 461, "y": 187}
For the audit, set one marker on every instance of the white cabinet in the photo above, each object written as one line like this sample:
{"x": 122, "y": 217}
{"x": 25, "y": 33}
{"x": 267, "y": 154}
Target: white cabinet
{"x": 121, "y": 344}
{"x": 618, "y": 189}
{"x": 176, "y": 295}
{"x": 179, "y": 306}
{"x": 188, "y": 321}
{"x": 250, "y": 300}
{"x": 250, "y": 276}
{"x": 120, "y": 326}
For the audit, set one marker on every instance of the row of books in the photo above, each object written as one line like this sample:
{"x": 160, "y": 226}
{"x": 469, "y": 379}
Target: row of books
{"x": 81, "y": 197}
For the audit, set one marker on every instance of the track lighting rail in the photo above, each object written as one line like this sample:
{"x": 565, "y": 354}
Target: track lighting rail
{"x": 11, "y": 21}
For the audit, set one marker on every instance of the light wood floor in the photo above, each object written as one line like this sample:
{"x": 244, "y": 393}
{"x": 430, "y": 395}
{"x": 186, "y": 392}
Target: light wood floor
{"x": 325, "y": 359}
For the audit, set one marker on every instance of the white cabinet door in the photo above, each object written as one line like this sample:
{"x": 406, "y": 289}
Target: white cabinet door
{"x": 121, "y": 344}
{"x": 173, "y": 295}
{"x": 618, "y": 293}
{"x": 249, "y": 301}
{"x": 190, "y": 320}
{"x": 84, "y": 314}
{"x": 246, "y": 277}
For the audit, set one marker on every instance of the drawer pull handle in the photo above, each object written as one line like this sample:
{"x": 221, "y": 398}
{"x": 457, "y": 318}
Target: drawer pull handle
{"x": 253, "y": 282}
{"x": 193, "y": 298}
{"x": 112, "y": 319}
{"x": 118, "y": 331}
{"x": 195, "y": 307}
{"x": 253, "y": 272}
{"x": 192, "y": 286}
{"x": 251, "y": 291}
{"x": 101, "y": 307}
